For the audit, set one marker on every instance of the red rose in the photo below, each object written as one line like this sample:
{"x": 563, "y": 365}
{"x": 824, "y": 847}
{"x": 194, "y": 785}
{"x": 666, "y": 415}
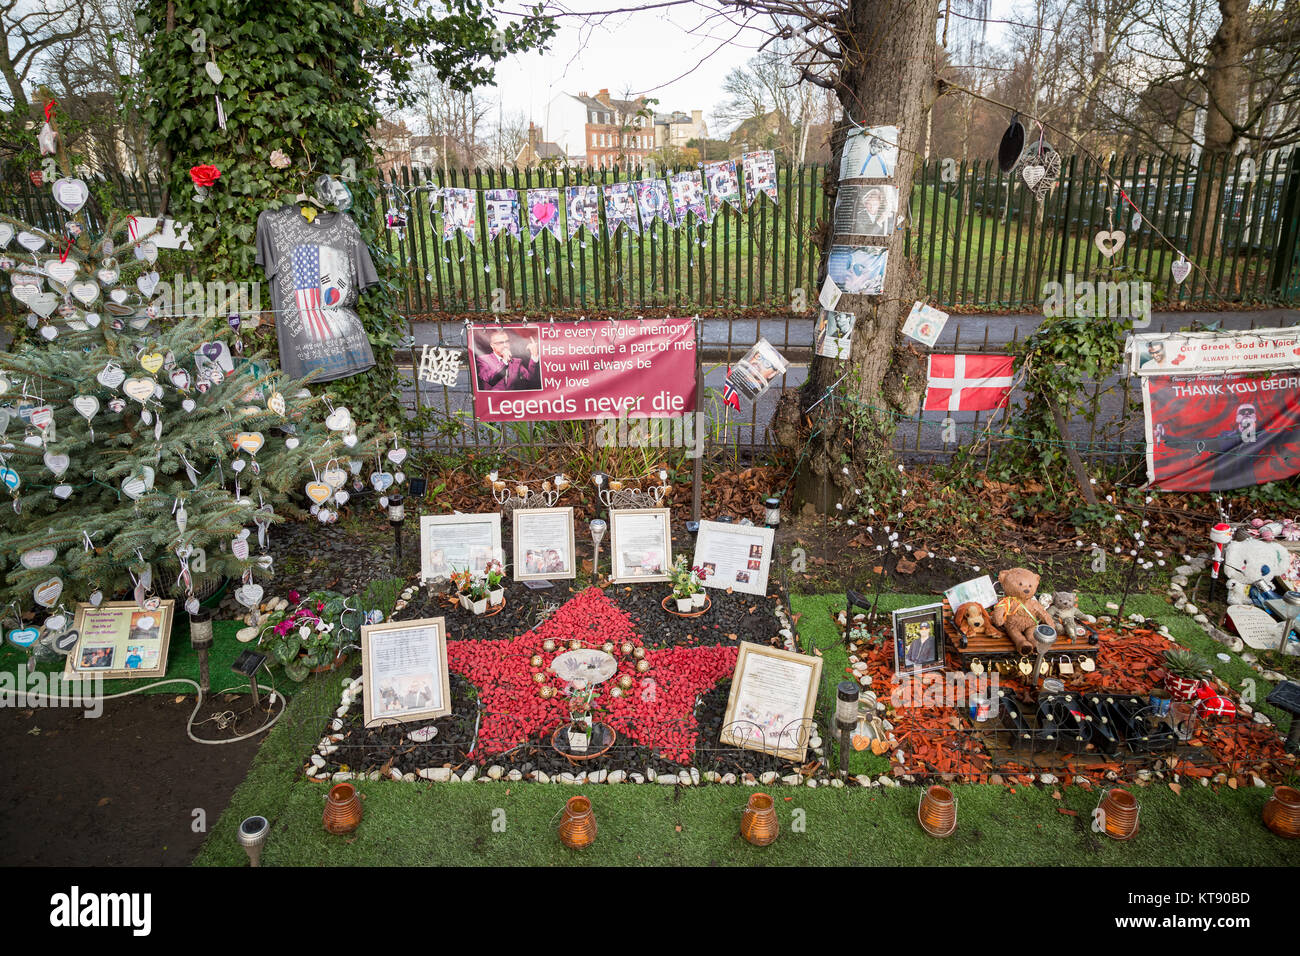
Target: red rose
{"x": 204, "y": 175}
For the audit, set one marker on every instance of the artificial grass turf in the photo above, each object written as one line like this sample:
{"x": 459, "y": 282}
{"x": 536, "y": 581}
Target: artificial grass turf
{"x": 452, "y": 824}
{"x": 499, "y": 824}
{"x": 182, "y": 661}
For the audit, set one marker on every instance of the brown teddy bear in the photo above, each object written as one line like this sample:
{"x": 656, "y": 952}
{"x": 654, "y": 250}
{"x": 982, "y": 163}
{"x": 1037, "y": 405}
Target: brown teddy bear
{"x": 972, "y": 620}
{"x": 1018, "y": 613}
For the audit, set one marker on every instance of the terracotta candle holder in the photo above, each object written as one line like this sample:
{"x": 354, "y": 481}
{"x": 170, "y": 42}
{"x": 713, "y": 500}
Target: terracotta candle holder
{"x": 758, "y": 824}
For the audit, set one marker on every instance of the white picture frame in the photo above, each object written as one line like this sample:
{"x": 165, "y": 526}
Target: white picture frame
{"x": 638, "y": 537}
{"x": 466, "y": 536}
{"x": 536, "y": 534}
{"x": 737, "y": 556}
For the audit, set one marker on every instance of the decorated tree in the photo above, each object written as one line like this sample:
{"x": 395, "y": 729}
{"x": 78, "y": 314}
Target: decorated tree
{"x": 138, "y": 446}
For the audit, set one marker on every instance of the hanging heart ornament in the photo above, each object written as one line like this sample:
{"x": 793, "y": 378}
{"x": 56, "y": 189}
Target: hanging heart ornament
{"x": 1110, "y": 242}
{"x": 71, "y": 194}
{"x": 1180, "y": 269}
{"x": 318, "y": 491}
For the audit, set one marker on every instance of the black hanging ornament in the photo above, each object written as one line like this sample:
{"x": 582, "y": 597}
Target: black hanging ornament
{"x": 1013, "y": 143}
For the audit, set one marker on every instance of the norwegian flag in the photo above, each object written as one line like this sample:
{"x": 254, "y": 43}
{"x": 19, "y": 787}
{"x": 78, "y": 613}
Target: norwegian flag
{"x": 968, "y": 383}
{"x": 729, "y": 394}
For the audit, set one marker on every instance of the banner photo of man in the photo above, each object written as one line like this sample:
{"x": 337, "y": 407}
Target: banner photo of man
{"x": 1213, "y": 433}
{"x": 507, "y": 360}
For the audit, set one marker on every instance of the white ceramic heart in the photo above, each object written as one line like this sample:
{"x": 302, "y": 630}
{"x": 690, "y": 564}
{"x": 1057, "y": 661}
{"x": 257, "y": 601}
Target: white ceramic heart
{"x": 87, "y": 406}
{"x": 71, "y": 194}
{"x": 38, "y": 558}
{"x": 111, "y": 376}
{"x": 1180, "y": 269}
{"x": 1110, "y": 242}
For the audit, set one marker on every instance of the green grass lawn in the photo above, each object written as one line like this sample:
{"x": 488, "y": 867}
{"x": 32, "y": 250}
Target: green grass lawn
{"x": 500, "y": 824}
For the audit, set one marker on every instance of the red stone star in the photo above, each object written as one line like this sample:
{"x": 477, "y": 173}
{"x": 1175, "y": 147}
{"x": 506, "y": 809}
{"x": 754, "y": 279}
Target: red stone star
{"x": 658, "y": 710}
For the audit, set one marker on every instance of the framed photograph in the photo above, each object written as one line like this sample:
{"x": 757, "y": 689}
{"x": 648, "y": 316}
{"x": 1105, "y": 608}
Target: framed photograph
{"x": 735, "y": 556}
{"x": 770, "y": 709}
{"x": 835, "y": 334}
{"x": 120, "y": 639}
{"x": 404, "y": 671}
{"x": 641, "y": 545}
{"x": 754, "y": 374}
{"x": 457, "y": 543}
{"x": 544, "y": 549}
{"x": 918, "y": 638}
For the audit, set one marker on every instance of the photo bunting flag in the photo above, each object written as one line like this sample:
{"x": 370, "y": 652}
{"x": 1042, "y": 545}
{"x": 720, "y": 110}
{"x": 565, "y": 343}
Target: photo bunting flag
{"x": 620, "y": 208}
{"x": 502, "y": 212}
{"x": 583, "y": 204}
{"x": 544, "y": 212}
{"x": 652, "y": 198}
{"x": 688, "y": 197}
{"x": 724, "y": 184}
{"x": 459, "y": 211}
{"x": 760, "y": 175}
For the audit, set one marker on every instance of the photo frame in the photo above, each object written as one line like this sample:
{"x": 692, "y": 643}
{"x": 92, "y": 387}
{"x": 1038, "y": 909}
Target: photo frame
{"x": 120, "y": 639}
{"x": 729, "y": 552}
{"x": 457, "y": 542}
{"x": 770, "y": 707}
{"x": 404, "y": 671}
{"x": 918, "y": 638}
{"x": 537, "y": 556}
{"x": 641, "y": 546}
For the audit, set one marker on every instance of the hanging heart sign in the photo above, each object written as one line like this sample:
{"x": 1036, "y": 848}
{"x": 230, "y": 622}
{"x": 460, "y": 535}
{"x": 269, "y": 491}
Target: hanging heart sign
{"x": 42, "y": 417}
{"x": 249, "y": 595}
{"x": 1110, "y": 242}
{"x": 397, "y": 455}
{"x": 147, "y": 283}
{"x": 239, "y": 548}
{"x": 381, "y": 480}
{"x": 55, "y": 622}
{"x": 62, "y": 492}
{"x": 111, "y": 376}
{"x": 6, "y": 234}
{"x": 61, "y": 272}
{"x": 138, "y": 389}
{"x": 1181, "y": 269}
{"x": 180, "y": 378}
{"x": 44, "y": 304}
{"x": 23, "y": 636}
{"x": 9, "y": 478}
{"x": 85, "y": 292}
{"x": 30, "y": 241}
{"x": 134, "y": 487}
{"x": 49, "y": 332}
{"x": 291, "y": 443}
{"x": 188, "y": 405}
{"x": 339, "y": 420}
{"x": 276, "y": 403}
{"x": 57, "y": 463}
{"x": 151, "y": 362}
{"x": 334, "y": 476}
{"x": 108, "y": 273}
{"x": 341, "y": 497}
{"x": 318, "y": 491}
{"x": 24, "y": 292}
{"x": 87, "y": 406}
{"x": 47, "y": 592}
{"x": 147, "y": 251}
{"x": 1033, "y": 175}
{"x": 250, "y": 442}
{"x": 71, "y": 194}
{"x": 38, "y": 558}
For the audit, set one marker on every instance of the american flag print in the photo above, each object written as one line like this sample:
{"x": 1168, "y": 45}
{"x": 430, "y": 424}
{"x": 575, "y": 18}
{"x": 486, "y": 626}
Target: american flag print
{"x": 320, "y": 277}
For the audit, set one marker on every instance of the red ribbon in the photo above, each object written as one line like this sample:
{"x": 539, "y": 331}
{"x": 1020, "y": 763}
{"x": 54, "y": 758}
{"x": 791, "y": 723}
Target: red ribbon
{"x": 130, "y": 225}
{"x": 49, "y": 108}
{"x": 66, "y": 250}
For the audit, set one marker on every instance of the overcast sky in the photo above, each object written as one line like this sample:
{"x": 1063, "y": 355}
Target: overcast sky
{"x": 663, "y": 53}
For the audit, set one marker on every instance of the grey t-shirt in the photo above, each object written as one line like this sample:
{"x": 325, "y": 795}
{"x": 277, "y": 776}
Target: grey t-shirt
{"x": 316, "y": 269}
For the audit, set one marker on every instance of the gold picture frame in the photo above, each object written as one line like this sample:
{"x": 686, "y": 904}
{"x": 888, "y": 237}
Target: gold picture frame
{"x": 114, "y": 633}
{"x": 396, "y": 698}
{"x": 621, "y": 570}
{"x": 754, "y": 714}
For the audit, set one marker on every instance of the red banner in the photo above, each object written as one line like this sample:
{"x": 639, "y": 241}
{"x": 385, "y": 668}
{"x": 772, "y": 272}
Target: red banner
{"x": 1224, "y": 431}
{"x": 574, "y": 370}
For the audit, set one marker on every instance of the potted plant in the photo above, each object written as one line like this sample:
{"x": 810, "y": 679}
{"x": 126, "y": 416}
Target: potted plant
{"x": 1185, "y": 671}
{"x": 580, "y": 716}
{"x": 460, "y": 584}
{"x": 682, "y": 586}
{"x": 478, "y": 595}
{"x": 698, "y": 597}
{"x": 312, "y": 634}
{"x": 496, "y": 574}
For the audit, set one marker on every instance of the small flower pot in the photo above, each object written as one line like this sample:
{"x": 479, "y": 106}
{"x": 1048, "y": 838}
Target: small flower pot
{"x": 465, "y": 601}
{"x": 1181, "y": 688}
{"x": 698, "y": 599}
{"x": 685, "y": 605}
{"x": 479, "y": 606}
{"x": 342, "y": 809}
{"x": 496, "y": 597}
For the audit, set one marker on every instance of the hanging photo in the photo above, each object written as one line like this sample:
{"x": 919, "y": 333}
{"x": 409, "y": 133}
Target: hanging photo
{"x": 459, "y": 211}
{"x": 640, "y": 545}
{"x": 457, "y": 543}
{"x": 583, "y": 205}
{"x": 620, "y": 208}
{"x": 859, "y": 270}
{"x": 866, "y": 210}
{"x": 870, "y": 153}
{"x": 502, "y": 207}
{"x": 925, "y": 324}
{"x": 395, "y": 221}
{"x": 404, "y": 669}
{"x": 760, "y": 175}
{"x": 754, "y": 374}
{"x": 688, "y": 197}
{"x": 652, "y": 198}
{"x": 723, "y": 183}
{"x": 544, "y": 212}
{"x": 120, "y": 639}
{"x": 544, "y": 545}
{"x": 835, "y": 334}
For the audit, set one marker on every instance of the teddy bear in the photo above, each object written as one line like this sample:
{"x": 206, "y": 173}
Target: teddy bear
{"x": 1065, "y": 608}
{"x": 1018, "y": 613}
{"x": 1251, "y": 562}
{"x": 972, "y": 620}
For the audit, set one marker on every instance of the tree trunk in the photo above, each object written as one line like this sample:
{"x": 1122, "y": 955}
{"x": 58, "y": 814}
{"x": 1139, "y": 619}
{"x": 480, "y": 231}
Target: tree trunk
{"x": 1225, "y": 82}
{"x": 887, "y": 79}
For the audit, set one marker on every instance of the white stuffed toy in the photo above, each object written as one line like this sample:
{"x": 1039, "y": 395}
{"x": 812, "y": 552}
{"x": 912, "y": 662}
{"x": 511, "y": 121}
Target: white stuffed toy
{"x": 1256, "y": 562}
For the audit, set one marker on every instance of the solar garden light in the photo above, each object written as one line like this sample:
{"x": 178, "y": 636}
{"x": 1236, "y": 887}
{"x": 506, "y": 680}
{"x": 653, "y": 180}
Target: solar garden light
{"x": 772, "y": 512}
{"x": 247, "y": 664}
{"x": 1044, "y": 638}
{"x": 598, "y": 527}
{"x": 396, "y": 515}
{"x": 252, "y": 834}
{"x": 201, "y": 641}
{"x": 846, "y": 716}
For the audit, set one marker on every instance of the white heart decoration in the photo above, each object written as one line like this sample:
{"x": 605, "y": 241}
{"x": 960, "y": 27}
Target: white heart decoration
{"x": 134, "y": 487}
{"x": 24, "y": 292}
{"x": 341, "y": 498}
{"x": 350, "y": 440}
{"x": 96, "y": 598}
{"x": 399, "y": 477}
{"x": 191, "y": 605}
{"x": 147, "y": 283}
{"x": 87, "y": 406}
{"x": 237, "y": 465}
{"x": 213, "y": 71}
{"x": 6, "y": 234}
{"x": 62, "y": 492}
{"x": 381, "y": 480}
{"x": 111, "y": 376}
{"x": 397, "y": 455}
{"x": 118, "y": 296}
{"x": 1033, "y": 175}
{"x": 47, "y": 592}
{"x": 30, "y": 241}
{"x": 48, "y": 332}
{"x": 92, "y": 320}
{"x": 1181, "y": 269}
{"x": 249, "y": 595}
{"x": 276, "y": 403}
{"x": 38, "y": 558}
{"x": 1110, "y": 242}
{"x": 138, "y": 389}
{"x": 239, "y": 548}
{"x": 335, "y": 477}
{"x": 61, "y": 272}
{"x": 108, "y": 275}
{"x": 55, "y": 622}
{"x": 148, "y": 251}
{"x": 339, "y": 420}
{"x": 188, "y": 404}
{"x": 291, "y": 443}
{"x": 85, "y": 292}
{"x": 57, "y": 462}
{"x": 71, "y": 194}
{"x": 44, "y": 304}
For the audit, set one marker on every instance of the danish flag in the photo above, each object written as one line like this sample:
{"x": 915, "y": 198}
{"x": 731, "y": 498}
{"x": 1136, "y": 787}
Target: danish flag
{"x": 968, "y": 383}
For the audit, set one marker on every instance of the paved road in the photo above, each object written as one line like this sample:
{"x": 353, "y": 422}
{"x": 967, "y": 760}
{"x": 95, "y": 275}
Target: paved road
{"x": 725, "y": 341}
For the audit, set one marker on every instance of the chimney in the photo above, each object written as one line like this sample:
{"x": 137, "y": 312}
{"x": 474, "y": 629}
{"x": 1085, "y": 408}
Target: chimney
{"x": 697, "y": 118}
{"x": 533, "y": 132}
{"x": 603, "y": 96}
